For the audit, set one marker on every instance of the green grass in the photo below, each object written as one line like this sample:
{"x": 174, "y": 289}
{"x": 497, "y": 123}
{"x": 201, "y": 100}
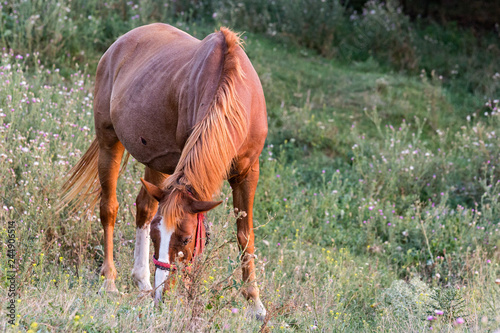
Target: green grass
{"x": 370, "y": 179}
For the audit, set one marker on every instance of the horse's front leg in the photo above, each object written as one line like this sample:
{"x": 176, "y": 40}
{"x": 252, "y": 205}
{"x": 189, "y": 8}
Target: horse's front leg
{"x": 243, "y": 196}
{"x": 146, "y": 208}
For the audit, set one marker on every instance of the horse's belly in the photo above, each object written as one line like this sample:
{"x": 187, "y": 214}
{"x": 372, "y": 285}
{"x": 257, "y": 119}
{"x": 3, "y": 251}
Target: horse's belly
{"x": 165, "y": 164}
{"x": 150, "y": 141}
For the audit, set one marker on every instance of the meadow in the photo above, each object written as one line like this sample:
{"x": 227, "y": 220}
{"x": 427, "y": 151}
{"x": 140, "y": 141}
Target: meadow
{"x": 378, "y": 204}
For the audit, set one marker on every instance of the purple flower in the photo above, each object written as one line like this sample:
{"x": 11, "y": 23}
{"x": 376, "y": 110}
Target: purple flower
{"x": 439, "y": 312}
{"x": 234, "y": 310}
{"x": 430, "y": 318}
{"x": 459, "y": 321}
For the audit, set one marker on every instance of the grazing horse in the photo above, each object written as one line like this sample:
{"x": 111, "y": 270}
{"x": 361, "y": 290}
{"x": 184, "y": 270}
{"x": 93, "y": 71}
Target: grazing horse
{"x": 193, "y": 112}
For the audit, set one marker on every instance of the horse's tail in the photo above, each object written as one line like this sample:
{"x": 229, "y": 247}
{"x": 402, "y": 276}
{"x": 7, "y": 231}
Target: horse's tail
{"x": 82, "y": 184}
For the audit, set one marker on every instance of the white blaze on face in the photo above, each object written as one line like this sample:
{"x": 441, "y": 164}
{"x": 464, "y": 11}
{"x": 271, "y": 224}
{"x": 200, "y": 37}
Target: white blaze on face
{"x": 160, "y": 274}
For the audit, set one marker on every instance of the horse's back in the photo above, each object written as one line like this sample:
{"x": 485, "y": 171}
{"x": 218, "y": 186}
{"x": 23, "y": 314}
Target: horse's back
{"x": 155, "y": 82}
{"x": 136, "y": 91}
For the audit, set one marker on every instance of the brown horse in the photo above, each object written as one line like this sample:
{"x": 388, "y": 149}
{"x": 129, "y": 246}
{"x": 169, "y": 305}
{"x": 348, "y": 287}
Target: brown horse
{"x": 187, "y": 108}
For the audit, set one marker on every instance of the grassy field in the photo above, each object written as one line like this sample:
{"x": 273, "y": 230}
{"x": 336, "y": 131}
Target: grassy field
{"x": 378, "y": 202}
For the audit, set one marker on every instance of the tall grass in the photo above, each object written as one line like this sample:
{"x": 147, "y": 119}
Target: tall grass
{"x": 65, "y": 32}
{"x": 378, "y": 200}
{"x": 327, "y": 248}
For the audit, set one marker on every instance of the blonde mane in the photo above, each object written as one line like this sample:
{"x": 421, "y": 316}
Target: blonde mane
{"x": 207, "y": 155}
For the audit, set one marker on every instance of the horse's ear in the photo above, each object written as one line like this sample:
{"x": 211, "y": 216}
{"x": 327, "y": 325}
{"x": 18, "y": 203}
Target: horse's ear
{"x": 153, "y": 190}
{"x": 197, "y": 206}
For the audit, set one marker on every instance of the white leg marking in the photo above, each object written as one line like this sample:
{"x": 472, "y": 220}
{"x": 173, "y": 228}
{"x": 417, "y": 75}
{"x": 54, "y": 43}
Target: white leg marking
{"x": 257, "y": 310}
{"x": 140, "y": 272}
{"x": 161, "y": 275}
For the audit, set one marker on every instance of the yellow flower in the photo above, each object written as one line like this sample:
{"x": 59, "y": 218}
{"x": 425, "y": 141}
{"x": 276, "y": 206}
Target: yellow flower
{"x": 34, "y": 325}
{"x": 77, "y": 318}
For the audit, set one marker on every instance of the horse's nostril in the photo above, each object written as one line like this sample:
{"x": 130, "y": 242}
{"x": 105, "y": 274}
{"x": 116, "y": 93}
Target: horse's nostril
{"x": 144, "y": 142}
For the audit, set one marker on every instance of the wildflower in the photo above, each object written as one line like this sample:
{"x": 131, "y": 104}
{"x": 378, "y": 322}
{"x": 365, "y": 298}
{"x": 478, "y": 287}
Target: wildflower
{"x": 439, "y": 312}
{"x": 430, "y": 318}
{"x": 460, "y": 321}
{"x": 234, "y": 310}
{"x": 34, "y": 325}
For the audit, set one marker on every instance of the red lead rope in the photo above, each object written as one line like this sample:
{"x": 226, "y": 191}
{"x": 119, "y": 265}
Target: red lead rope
{"x": 199, "y": 245}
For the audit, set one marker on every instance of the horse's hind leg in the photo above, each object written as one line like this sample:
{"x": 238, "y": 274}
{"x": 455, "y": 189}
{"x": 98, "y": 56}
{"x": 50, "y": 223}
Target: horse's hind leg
{"x": 146, "y": 208}
{"x": 110, "y": 157}
{"x": 243, "y": 196}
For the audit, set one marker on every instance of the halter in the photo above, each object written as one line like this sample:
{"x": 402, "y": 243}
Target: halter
{"x": 199, "y": 245}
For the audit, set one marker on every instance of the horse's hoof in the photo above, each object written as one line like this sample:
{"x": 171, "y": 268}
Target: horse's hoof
{"x": 145, "y": 293}
{"x": 108, "y": 287}
{"x": 197, "y": 324}
{"x": 257, "y": 310}
{"x": 144, "y": 287}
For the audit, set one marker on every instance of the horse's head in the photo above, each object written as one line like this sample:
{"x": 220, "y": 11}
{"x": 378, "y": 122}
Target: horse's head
{"x": 176, "y": 229}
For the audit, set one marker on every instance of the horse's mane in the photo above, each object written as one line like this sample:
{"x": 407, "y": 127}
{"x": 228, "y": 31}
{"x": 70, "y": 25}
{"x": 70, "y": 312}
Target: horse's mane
{"x": 209, "y": 150}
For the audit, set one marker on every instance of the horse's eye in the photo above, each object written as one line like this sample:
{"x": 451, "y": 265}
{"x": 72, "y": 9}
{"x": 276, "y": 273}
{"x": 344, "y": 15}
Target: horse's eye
{"x": 186, "y": 240}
